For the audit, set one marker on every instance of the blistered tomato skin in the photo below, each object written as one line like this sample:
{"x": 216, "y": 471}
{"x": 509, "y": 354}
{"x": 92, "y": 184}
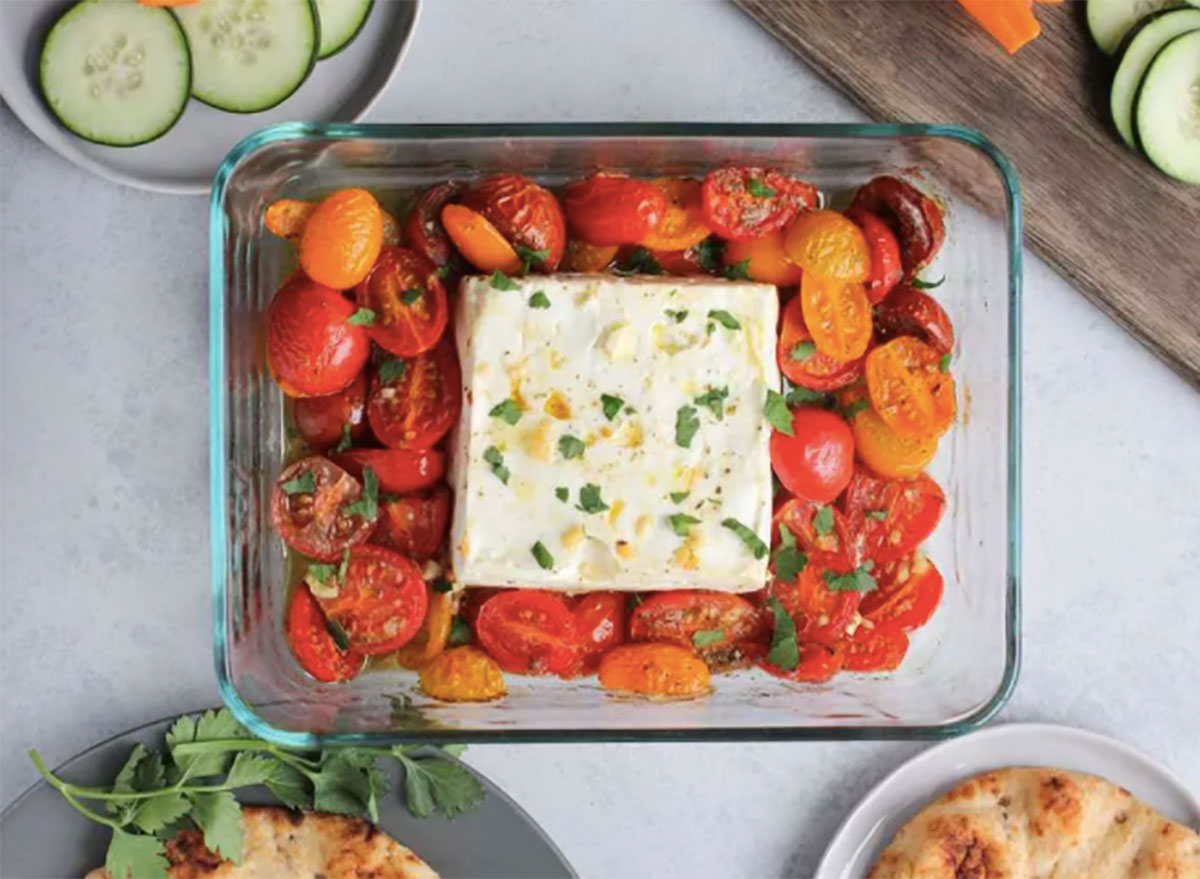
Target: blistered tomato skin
{"x": 342, "y": 238}
{"x": 682, "y": 224}
{"x": 886, "y": 266}
{"x": 743, "y": 202}
{"x": 525, "y": 213}
{"x": 608, "y": 209}
{"x": 308, "y": 509}
{"x": 648, "y": 669}
{"x": 909, "y": 312}
{"x": 915, "y": 219}
{"x": 422, "y": 230}
{"x": 312, "y": 349}
{"x": 463, "y": 674}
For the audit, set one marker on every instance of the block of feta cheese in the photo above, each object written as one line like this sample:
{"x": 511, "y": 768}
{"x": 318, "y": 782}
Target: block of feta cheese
{"x": 612, "y": 433}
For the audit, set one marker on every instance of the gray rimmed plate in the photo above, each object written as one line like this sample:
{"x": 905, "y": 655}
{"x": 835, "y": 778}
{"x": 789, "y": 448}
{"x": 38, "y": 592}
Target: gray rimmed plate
{"x": 42, "y": 836}
{"x": 341, "y": 88}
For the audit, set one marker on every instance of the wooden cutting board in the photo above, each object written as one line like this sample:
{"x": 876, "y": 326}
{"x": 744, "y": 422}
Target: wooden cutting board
{"x": 1126, "y": 235}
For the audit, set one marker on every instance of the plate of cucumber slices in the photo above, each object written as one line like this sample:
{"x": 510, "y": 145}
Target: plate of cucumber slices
{"x": 154, "y": 93}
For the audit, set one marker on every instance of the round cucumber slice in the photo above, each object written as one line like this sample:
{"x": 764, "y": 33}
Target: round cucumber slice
{"x": 249, "y": 55}
{"x": 116, "y": 72}
{"x": 1168, "y": 109}
{"x": 1110, "y": 20}
{"x": 1138, "y": 54}
{"x": 341, "y": 20}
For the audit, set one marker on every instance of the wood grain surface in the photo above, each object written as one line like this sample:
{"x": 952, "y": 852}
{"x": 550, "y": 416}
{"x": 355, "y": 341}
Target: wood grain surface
{"x": 1125, "y": 234}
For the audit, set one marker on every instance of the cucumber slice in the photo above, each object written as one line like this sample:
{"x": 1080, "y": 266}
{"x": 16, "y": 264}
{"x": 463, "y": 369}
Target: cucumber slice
{"x": 1168, "y": 109}
{"x": 1110, "y": 20}
{"x": 341, "y": 20}
{"x": 116, "y": 72}
{"x": 249, "y": 55}
{"x": 1138, "y": 54}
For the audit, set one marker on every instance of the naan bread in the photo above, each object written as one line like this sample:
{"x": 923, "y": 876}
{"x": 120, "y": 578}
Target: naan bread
{"x": 283, "y": 844}
{"x": 1040, "y": 824}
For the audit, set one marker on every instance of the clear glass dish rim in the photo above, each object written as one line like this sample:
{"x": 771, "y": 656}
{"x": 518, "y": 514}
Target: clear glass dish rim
{"x": 218, "y": 485}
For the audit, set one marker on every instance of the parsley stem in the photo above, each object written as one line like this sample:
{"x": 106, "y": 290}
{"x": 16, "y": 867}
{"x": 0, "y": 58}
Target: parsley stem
{"x": 188, "y": 748}
{"x": 67, "y": 791}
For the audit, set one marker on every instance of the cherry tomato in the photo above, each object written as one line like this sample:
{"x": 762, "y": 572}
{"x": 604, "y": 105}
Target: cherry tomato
{"x": 828, "y": 245}
{"x": 308, "y": 509}
{"x": 909, "y": 312}
{"x": 800, "y": 360}
{"x": 768, "y": 262}
{"x": 886, "y": 268}
{"x": 655, "y": 670}
{"x": 408, "y": 301}
{"x": 432, "y": 637}
{"x": 683, "y": 263}
{"x": 285, "y": 217}
{"x": 837, "y": 315}
{"x": 831, "y": 546}
{"x": 682, "y": 224}
{"x": 907, "y": 597}
{"x": 881, "y": 648}
{"x": 415, "y": 524}
{"x": 908, "y": 389}
{"x": 422, "y": 230}
{"x": 818, "y": 662}
{"x": 312, "y": 644}
{"x": 600, "y": 624}
{"x": 894, "y": 516}
{"x": 417, "y": 408}
{"x": 312, "y": 350}
{"x": 817, "y": 461}
{"x": 463, "y": 674}
{"x": 473, "y": 598}
{"x": 529, "y": 631}
{"x": 325, "y": 421}
{"x": 480, "y": 243}
{"x": 588, "y": 258}
{"x": 746, "y": 202}
{"x": 878, "y": 446}
{"x": 399, "y": 471}
{"x": 381, "y": 602}
{"x": 613, "y": 209}
{"x": 341, "y": 238}
{"x": 678, "y": 617}
{"x": 914, "y": 217}
{"x": 821, "y": 614}
{"x": 526, "y": 214}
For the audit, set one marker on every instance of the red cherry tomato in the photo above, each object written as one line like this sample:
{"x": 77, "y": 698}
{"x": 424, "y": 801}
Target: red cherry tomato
{"x": 915, "y": 218}
{"x": 908, "y": 594}
{"x": 909, "y": 312}
{"x": 408, "y": 300}
{"x": 316, "y": 649}
{"x": 886, "y": 268}
{"x": 745, "y": 202}
{"x": 416, "y": 408}
{"x": 881, "y": 648}
{"x": 529, "y": 631}
{"x": 679, "y": 617}
{"x": 308, "y": 509}
{"x": 422, "y": 230}
{"x": 381, "y": 602}
{"x": 399, "y": 471}
{"x": 473, "y": 598}
{"x": 817, "y": 461}
{"x": 527, "y": 214}
{"x": 613, "y": 209}
{"x": 828, "y": 544}
{"x": 600, "y": 624}
{"x": 683, "y": 263}
{"x": 325, "y": 421}
{"x": 821, "y": 614}
{"x": 415, "y": 524}
{"x": 818, "y": 662}
{"x": 800, "y": 360}
{"x": 893, "y": 515}
{"x": 312, "y": 349}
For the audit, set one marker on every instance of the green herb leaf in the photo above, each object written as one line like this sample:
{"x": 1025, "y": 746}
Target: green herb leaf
{"x": 709, "y": 253}
{"x": 778, "y": 414}
{"x": 677, "y": 315}
{"x": 492, "y": 456}
{"x": 918, "y": 284}
{"x": 753, "y": 541}
{"x": 877, "y": 515}
{"x": 341, "y": 785}
{"x": 802, "y": 396}
{"x": 785, "y": 652}
{"x": 305, "y": 483}
{"x": 290, "y": 786}
{"x": 367, "y": 505}
{"x": 391, "y": 370}
{"x": 758, "y": 189}
{"x": 132, "y": 856}
{"x": 158, "y": 812}
{"x": 570, "y": 446}
{"x": 539, "y": 300}
{"x": 789, "y": 562}
{"x": 823, "y": 520}
{"x": 433, "y": 782}
{"x": 530, "y": 257}
{"x": 346, "y": 441}
{"x": 681, "y": 523}
{"x": 442, "y": 585}
{"x": 739, "y": 271}
{"x": 209, "y": 726}
{"x": 803, "y": 351}
{"x": 786, "y": 538}
{"x": 686, "y": 425}
{"x": 854, "y": 407}
{"x": 640, "y": 260}
{"x": 460, "y": 633}
{"x": 506, "y": 410}
{"x": 858, "y": 580}
{"x": 544, "y": 559}
{"x": 220, "y": 817}
{"x": 611, "y": 405}
{"x": 411, "y": 295}
{"x": 707, "y": 637}
{"x": 590, "y": 500}
{"x": 714, "y": 400}
{"x": 319, "y": 574}
{"x": 562, "y": 493}
{"x": 338, "y": 633}
{"x": 724, "y": 318}
{"x": 364, "y": 317}
{"x": 501, "y": 281}
{"x": 679, "y": 497}
{"x": 443, "y": 271}
{"x": 944, "y": 364}
{"x": 250, "y": 768}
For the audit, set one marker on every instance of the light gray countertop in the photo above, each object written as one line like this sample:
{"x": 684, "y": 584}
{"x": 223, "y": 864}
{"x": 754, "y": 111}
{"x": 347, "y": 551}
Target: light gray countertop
{"x": 103, "y": 461}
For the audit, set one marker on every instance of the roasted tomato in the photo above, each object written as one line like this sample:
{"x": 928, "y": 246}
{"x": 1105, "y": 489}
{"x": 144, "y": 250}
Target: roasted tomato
{"x": 821, "y": 614}
{"x": 529, "y": 631}
{"x": 765, "y": 259}
{"x": 314, "y": 509}
{"x": 893, "y": 516}
{"x": 908, "y": 388}
{"x": 800, "y": 360}
{"x": 312, "y": 349}
{"x": 828, "y": 245}
{"x": 907, "y": 596}
{"x": 431, "y": 638}
{"x": 877, "y": 445}
{"x": 837, "y": 315}
{"x": 613, "y": 209}
{"x": 408, "y": 301}
{"x": 473, "y": 598}
{"x": 874, "y": 648}
{"x": 399, "y": 471}
{"x": 817, "y": 461}
{"x": 821, "y": 531}
{"x": 480, "y": 243}
{"x": 600, "y": 624}
{"x": 342, "y": 238}
{"x": 326, "y": 421}
{"x": 588, "y": 258}
{"x": 711, "y": 623}
{"x": 526, "y": 214}
{"x": 909, "y": 312}
{"x": 682, "y": 224}
{"x": 745, "y": 202}
{"x": 422, "y": 230}
{"x": 415, "y": 524}
{"x": 915, "y": 218}
{"x": 381, "y": 602}
{"x": 818, "y": 662}
{"x": 666, "y": 670}
{"x": 463, "y": 674}
{"x": 886, "y": 268}
{"x": 413, "y": 408}
{"x": 315, "y": 648}
{"x": 285, "y": 218}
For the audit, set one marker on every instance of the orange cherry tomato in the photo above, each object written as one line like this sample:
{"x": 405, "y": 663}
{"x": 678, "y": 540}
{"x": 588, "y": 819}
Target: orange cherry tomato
{"x": 821, "y": 614}
{"x": 881, "y": 448}
{"x": 838, "y": 316}
{"x": 880, "y": 648}
{"x": 463, "y": 674}
{"x": 655, "y": 670}
{"x": 818, "y": 662}
{"x": 886, "y": 267}
{"x": 684, "y": 263}
{"x": 431, "y": 638}
{"x": 893, "y": 517}
{"x": 828, "y": 245}
{"x": 613, "y": 209}
{"x": 907, "y": 596}
{"x": 312, "y": 349}
{"x": 682, "y": 224}
{"x": 526, "y": 214}
{"x": 909, "y": 312}
{"x": 800, "y": 360}
{"x": 817, "y": 460}
{"x": 423, "y": 230}
{"x": 285, "y": 217}
{"x": 908, "y": 389}
{"x": 342, "y": 238}
{"x": 480, "y": 243}
{"x": 768, "y": 262}
{"x": 325, "y": 421}
{"x": 588, "y": 258}
{"x": 310, "y": 640}
{"x": 381, "y": 602}
{"x": 408, "y": 300}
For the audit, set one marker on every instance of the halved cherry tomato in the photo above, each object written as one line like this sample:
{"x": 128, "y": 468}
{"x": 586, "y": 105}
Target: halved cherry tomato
{"x": 655, "y": 670}
{"x": 914, "y": 217}
{"x": 800, "y": 360}
{"x": 415, "y": 524}
{"x": 907, "y": 596}
{"x": 588, "y": 258}
{"x": 886, "y": 268}
{"x": 600, "y": 624}
{"x": 894, "y": 516}
{"x": 834, "y": 548}
{"x": 837, "y": 315}
{"x": 881, "y": 648}
{"x": 683, "y": 263}
{"x": 473, "y": 598}
{"x": 526, "y": 214}
{"x": 818, "y": 662}
{"x": 312, "y": 351}
{"x": 613, "y": 209}
{"x": 423, "y": 230}
{"x": 817, "y": 461}
{"x": 463, "y": 674}
{"x": 682, "y": 224}
{"x": 433, "y": 635}
{"x": 416, "y": 409}
{"x": 827, "y": 244}
{"x": 342, "y": 238}
{"x": 325, "y": 421}
{"x": 878, "y": 446}
{"x": 308, "y": 509}
{"x": 312, "y": 644}
{"x": 399, "y": 471}
{"x": 745, "y": 202}
{"x": 768, "y": 262}
{"x": 529, "y": 631}
{"x": 409, "y": 302}
{"x": 909, "y": 312}
{"x": 908, "y": 389}
{"x": 676, "y": 617}
{"x": 285, "y": 218}
{"x": 381, "y": 602}
{"x": 480, "y": 243}
{"x": 821, "y": 614}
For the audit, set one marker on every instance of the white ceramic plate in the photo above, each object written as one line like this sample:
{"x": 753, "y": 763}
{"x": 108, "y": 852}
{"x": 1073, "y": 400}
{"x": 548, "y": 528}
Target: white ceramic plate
{"x": 931, "y": 773}
{"x": 341, "y": 88}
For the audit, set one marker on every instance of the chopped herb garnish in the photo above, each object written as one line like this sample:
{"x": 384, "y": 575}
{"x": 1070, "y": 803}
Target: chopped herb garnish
{"x": 753, "y": 541}
{"x": 391, "y": 370}
{"x": 364, "y": 317}
{"x": 346, "y": 440}
{"x": 305, "y": 483}
{"x": 927, "y": 285}
{"x": 708, "y": 637}
{"x": 443, "y": 271}
{"x": 544, "y": 559}
{"x": 562, "y": 493}
{"x": 679, "y": 497}
{"x": 539, "y": 300}
{"x": 319, "y": 574}
{"x": 506, "y": 410}
{"x": 739, "y": 271}
{"x": 858, "y": 580}
{"x": 681, "y": 523}
{"x": 570, "y": 446}
{"x": 441, "y": 584}
{"x": 344, "y": 566}
{"x": 677, "y": 316}
{"x": 460, "y": 633}
{"x": 411, "y": 295}
{"x": 855, "y": 406}
{"x": 823, "y": 520}
{"x": 640, "y": 260}
{"x": 725, "y": 319}
{"x": 877, "y": 515}
{"x": 686, "y": 425}
{"x": 785, "y": 652}
{"x": 709, "y": 253}
{"x": 589, "y": 499}
{"x": 802, "y": 396}
{"x": 944, "y": 363}
{"x": 778, "y": 414}
{"x": 366, "y": 506}
{"x": 530, "y": 257}
{"x": 789, "y": 561}
{"x": 340, "y": 638}
{"x": 803, "y": 351}
{"x": 714, "y": 400}
{"x": 758, "y": 189}
{"x": 493, "y": 457}
{"x": 502, "y": 281}
{"x": 611, "y": 405}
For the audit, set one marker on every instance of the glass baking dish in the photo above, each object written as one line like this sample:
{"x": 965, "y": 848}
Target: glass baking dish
{"x": 962, "y": 666}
